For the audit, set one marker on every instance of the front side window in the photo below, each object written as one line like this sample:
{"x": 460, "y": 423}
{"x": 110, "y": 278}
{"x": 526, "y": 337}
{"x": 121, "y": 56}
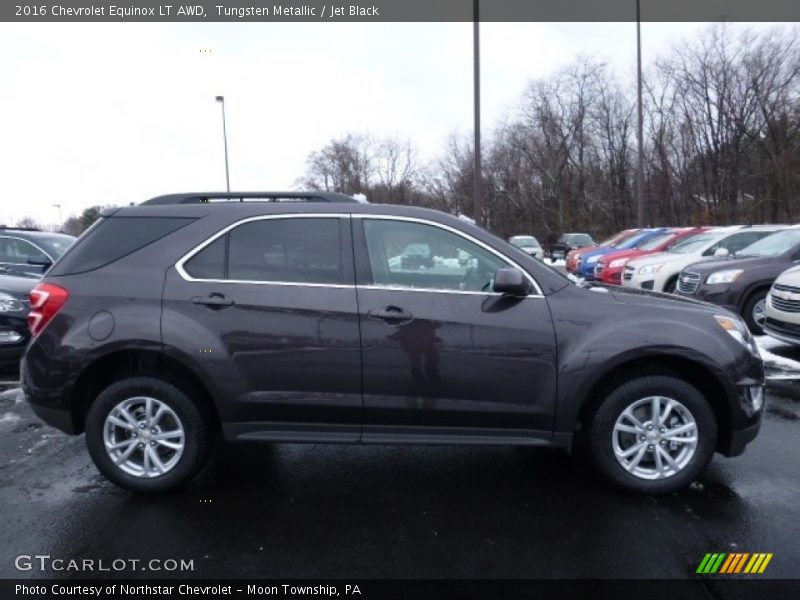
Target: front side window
{"x": 420, "y": 256}
{"x": 298, "y": 250}
{"x": 773, "y": 245}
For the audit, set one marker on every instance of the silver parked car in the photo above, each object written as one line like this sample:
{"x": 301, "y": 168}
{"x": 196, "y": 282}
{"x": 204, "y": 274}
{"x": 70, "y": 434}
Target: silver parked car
{"x": 528, "y": 244}
{"x": 783, "y": 307}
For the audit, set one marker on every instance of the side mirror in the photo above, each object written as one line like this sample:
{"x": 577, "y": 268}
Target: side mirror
{"x": 512, "y": 282}
{"x": 721, "y": 252}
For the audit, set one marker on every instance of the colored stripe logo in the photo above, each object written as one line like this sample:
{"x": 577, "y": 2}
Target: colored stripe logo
{"x": 734, "y": 563}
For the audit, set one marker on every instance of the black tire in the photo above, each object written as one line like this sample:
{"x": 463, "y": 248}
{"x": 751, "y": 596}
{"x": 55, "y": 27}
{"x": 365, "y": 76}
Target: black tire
{"x": 195, "y": 426}
{"x": 747, "y": 312}
{"x": 601, "y": 431}
{"x": 671, "y": 284}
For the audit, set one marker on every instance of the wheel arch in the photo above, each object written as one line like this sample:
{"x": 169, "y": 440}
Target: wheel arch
{"x": 109, "y": 367}
{"x": 696, "y": 373}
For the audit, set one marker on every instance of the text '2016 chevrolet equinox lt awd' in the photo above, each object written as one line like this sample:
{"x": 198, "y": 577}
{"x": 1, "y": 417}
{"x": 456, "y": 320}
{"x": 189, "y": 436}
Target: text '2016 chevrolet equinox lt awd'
{"x": 299, "y": 321}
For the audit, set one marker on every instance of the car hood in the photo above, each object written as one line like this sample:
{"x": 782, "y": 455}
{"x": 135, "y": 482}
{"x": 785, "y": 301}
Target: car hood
{"x": 753, "y": 262}
{"x": 629, "y": 254}
{"x": 642, "y": 297}
{"x": 790, "y": 277}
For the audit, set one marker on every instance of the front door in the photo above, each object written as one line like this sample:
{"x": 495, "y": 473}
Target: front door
{"x": 445, "y": 357}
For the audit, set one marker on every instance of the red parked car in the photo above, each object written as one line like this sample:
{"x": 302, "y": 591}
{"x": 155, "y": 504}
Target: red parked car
{"x": 609, "y": 268}
{"x": 574, "y": 255}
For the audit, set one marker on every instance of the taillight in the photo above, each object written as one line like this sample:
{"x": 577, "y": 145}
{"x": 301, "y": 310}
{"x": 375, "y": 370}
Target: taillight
{"x": 46, "y": 300}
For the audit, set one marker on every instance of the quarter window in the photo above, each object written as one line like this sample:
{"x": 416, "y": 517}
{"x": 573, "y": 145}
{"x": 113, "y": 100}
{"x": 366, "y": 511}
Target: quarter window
{"x": 302, "y": 250}
{"x": 416, "y": 255}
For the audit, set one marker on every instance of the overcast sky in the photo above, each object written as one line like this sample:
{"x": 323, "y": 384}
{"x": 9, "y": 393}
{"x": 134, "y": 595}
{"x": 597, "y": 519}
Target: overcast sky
{"x": 115, "y": 113}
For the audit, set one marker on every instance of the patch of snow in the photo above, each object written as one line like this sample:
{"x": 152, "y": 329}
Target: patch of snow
{"x": 9, "y": 418}
{"x": 776, "y": 361}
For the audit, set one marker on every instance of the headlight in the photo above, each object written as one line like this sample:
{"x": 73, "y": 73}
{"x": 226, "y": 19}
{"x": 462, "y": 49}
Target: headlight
{"x": 592, "y": 260}
{"x": 650, "y": 269}
{"x": 724, "y": 276}
{"x": 620, "y": 262}
{"x": 10, "y": 304}
{"x": 738, "y": 330}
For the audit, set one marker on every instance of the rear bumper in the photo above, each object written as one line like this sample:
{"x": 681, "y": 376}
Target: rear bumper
{"x": 60, "y": 419}
{"x": 50, "y": 404}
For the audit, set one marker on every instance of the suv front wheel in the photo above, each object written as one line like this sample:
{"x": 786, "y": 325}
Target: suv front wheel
{"x": 146, "y": 435}
{"x": 654, "y": 434}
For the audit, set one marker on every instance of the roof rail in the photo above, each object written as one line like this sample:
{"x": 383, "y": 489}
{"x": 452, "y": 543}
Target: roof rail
{"x": 225, "y": 197}
{"x": 9, "y": 228}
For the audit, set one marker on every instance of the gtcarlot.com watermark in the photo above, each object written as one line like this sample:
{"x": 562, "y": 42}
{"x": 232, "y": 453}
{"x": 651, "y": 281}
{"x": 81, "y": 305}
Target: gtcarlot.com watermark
{"x": 45, "y": 563}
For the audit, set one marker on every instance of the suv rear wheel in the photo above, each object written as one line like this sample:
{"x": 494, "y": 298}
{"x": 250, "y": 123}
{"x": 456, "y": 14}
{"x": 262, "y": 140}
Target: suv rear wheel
{"x": 146, "y": 435}
{"x": 654, "y": 434}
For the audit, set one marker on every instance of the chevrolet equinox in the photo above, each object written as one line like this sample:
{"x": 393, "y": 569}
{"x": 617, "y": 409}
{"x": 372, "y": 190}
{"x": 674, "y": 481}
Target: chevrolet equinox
{"x": 293, "y": 317}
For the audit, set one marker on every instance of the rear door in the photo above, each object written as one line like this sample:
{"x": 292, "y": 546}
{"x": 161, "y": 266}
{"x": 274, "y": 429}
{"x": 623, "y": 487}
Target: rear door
{"x": 269, "y": 308}
{"x": 444, "y": 357}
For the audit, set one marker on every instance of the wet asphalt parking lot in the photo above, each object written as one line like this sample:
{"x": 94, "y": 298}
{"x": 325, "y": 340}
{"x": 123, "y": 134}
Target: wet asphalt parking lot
{"x": 327, "y": 511}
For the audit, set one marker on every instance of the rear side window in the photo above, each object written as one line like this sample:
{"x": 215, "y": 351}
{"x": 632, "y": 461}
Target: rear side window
{"x": 113, "y": 238}
{"x": 300, "y": 250}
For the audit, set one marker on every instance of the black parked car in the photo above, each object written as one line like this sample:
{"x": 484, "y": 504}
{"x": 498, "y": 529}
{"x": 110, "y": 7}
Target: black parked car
{"x": 741, "y": 282}
{"x": 178, "y": 318}
{"x": 568, "y": 242}
{"x": 14, "y": 333}
{"x": 29, "y": 252}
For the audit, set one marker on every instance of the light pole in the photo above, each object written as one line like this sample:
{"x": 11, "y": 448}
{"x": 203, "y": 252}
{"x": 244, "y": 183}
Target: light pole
{"x": 476, "y": 60}
{"x": 640, "y": 126}
{"x": 221, "y": 100}
{"x": 60, "y": 217}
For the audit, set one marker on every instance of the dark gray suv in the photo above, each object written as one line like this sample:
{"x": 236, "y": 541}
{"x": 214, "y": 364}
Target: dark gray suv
{"x": 184, "y": 317}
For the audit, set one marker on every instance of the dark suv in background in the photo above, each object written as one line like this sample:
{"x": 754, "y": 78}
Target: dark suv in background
{"x": 741, "y": 282}
{"x": 568, "y": 242}
{"x": 29, "y": 252}
{"x": 182, "y": 317}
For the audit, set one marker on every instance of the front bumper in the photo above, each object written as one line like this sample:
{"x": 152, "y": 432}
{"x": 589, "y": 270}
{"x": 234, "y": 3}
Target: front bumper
{"x": 740, "y": 438}
{"x": 780, "y": 330}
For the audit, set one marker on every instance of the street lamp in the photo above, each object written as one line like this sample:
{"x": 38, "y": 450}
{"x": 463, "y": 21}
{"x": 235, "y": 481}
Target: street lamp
{"x": 639, "y": 125}
{"x": 476, "y": 63}
{"x": 60, "y": 217}
{"x": 221, "y": 100}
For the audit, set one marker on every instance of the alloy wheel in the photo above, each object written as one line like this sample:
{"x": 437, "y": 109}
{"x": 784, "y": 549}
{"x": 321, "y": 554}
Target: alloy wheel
{"x": 655, "y": 437}
{"x": 144, "y": 437}
{"x": 760, "y": 312}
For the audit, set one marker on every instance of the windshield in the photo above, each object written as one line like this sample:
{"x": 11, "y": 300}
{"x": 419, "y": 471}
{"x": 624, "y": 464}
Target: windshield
{"x": 525, "y": 242}
{"x": 578, "y": 239}
{"x": 657, "y": 241}
{"x": 634, "y": 241}
{"x": 773, "y": 245}
{"x": 55, "y": 244}
{"x": 696, "y": 242}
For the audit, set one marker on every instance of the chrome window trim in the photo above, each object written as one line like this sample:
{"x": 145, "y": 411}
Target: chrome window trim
{"x": 13, "y": 237}
{"x": 467, "y": 237}
{"x": 179, "y": 265}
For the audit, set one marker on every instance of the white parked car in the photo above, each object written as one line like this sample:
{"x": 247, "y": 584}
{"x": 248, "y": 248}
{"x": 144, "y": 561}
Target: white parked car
{"x": 783, "y": 307}
{"x": 659, "y": 272}
{"x": 528, "y": 244}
